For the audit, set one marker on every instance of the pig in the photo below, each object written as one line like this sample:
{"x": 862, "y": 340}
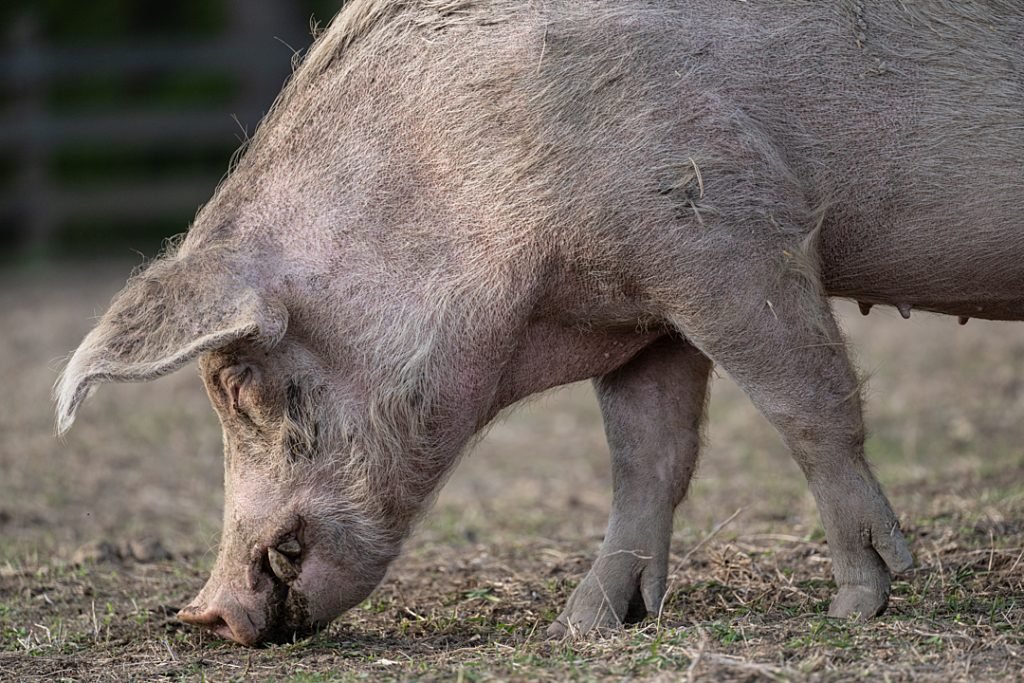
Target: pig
{"x": 456, "y": 204}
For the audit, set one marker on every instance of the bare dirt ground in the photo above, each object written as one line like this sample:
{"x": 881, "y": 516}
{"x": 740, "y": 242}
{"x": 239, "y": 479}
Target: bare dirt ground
{"x": 103, "y": 537}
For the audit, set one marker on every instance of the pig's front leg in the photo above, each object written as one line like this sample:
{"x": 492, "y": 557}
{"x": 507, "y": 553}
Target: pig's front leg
{"x": 652, "y": 409}
{"x": 782, "y": 346}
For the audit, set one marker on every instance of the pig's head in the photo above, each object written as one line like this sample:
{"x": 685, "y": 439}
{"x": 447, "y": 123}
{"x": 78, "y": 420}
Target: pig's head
{"x": 309, "y": 529}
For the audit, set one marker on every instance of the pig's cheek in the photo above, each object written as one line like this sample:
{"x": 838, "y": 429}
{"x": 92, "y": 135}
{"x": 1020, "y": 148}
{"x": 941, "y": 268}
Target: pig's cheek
{"x": 318, "y": 592}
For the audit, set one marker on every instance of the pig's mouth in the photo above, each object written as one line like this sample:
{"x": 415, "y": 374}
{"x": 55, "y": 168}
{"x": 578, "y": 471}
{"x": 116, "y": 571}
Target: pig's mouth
{"x": 268, "y": 609}
{"x": 283, "y": 618}
{"x": 287, "y": 612}
{"x": 285, "y": 589}
{"x": 293, "y": 621}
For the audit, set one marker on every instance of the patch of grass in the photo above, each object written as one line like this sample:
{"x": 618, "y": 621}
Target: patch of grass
{"x": 312, "y": 678}
{"x": 512, "y": 535}
{"x": 726, "y": 634}
{"x": 832, "y": 633}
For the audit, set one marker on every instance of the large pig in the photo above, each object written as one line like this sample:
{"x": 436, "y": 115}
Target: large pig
{"x": 458, "y": 203}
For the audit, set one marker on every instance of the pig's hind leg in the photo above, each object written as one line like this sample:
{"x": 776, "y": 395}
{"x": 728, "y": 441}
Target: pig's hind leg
{"x": 652, "y": 409}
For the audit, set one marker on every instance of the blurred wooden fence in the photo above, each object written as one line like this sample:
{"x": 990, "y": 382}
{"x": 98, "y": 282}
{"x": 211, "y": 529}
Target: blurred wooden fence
{"x": 35, "y": 202}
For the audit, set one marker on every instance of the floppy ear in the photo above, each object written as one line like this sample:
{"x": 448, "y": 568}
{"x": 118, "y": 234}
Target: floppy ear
{"x": 163, "y": 318}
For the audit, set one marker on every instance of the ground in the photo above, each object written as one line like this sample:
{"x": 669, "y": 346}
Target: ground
{"x": 105, "y": 535}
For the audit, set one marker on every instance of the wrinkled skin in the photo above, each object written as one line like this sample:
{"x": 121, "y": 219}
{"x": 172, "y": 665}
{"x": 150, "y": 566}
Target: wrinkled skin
{"x": 301, "y": 568}
{"x": 457, "y": 204}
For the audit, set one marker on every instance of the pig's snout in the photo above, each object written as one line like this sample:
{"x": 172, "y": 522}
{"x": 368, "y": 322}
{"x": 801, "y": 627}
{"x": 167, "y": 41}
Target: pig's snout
{"x": 246, "y": 617}
{"x": 225, "y": 615}
{"x": 233, "y": 624}
{"x": 279, "y": 591}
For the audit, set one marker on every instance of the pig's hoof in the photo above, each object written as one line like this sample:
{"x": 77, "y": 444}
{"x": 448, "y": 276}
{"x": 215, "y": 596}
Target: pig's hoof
{"x": 582, "y": 617}
{"x": 602, "y": 605}
{"x": 582, "y": 623}
{"x": 859, "y": 602}
{"x": 557, "y": 630}
{"x": 864, "y": 576}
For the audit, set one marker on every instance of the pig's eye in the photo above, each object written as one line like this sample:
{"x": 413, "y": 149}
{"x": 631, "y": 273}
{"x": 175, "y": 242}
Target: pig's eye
{"x": 301, "y": 429}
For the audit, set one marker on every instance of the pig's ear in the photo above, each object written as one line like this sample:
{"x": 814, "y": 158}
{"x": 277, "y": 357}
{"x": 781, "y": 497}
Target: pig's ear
{"x": 163, "y": 318}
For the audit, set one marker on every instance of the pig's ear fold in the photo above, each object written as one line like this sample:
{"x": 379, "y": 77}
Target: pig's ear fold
{"x": 165, "y": 316}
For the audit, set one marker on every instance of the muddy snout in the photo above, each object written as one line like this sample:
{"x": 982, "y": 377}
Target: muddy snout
{"x": 269, "y": 612}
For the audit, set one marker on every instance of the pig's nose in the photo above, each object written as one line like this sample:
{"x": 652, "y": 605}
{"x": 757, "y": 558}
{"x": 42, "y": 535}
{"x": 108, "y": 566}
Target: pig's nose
{"x": 227, "y": 621}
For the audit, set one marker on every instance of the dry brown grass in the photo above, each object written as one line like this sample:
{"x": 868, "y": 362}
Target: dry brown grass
{"x": 516, "y": 528}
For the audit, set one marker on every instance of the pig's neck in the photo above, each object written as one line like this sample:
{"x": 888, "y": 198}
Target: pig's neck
{"x": 443, "y": 352}
{"x": 512, "y": 344}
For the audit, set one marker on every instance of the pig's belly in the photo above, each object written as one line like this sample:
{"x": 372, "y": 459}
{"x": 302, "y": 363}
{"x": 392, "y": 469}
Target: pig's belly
{"x": 992, "y": 298}
{"x": 973, "y": 281}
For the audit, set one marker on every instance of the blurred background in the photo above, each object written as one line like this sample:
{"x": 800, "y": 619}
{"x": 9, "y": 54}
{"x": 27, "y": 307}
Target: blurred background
{"x": 118, "y": 117}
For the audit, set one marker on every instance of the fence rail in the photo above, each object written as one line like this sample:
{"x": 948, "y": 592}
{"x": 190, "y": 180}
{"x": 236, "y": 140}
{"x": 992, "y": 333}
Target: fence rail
{"x": 37, "y": 201}
{"x": 33, "y": 61}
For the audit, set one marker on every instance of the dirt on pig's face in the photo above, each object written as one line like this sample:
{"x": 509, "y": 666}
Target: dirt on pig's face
{"x": 305, "y": 534}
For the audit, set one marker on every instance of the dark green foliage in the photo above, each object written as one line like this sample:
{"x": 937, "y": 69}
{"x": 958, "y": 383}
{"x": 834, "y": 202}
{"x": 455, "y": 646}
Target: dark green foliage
{"x": 101, "y": 21}
{"x": 168, "y": 90}
{"x": 112, "y": 90}
{"x": 91, "y": 165}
